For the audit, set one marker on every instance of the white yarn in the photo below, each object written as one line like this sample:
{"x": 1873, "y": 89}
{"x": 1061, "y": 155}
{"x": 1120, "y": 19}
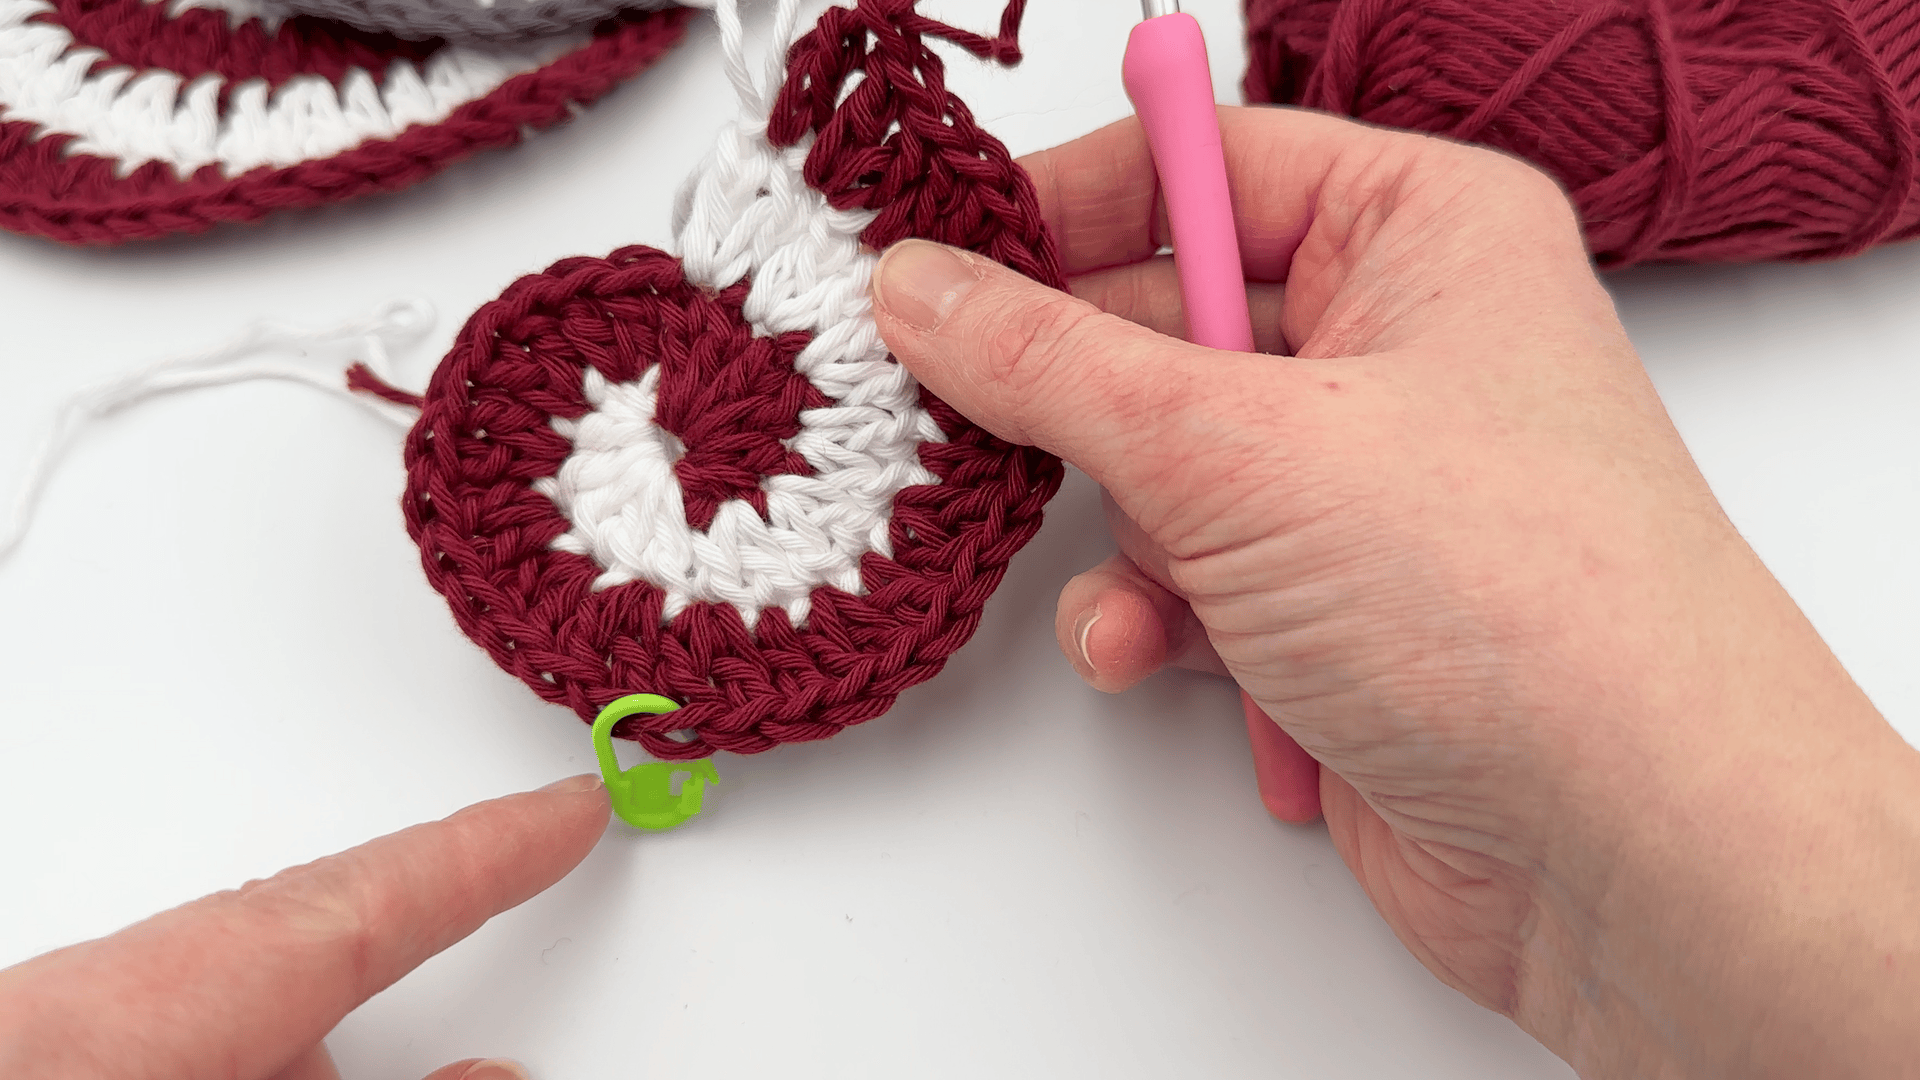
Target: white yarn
{"x": 747, "y": 210}
{"x": 319, "y": 358}
{"x": 137, "y": 117}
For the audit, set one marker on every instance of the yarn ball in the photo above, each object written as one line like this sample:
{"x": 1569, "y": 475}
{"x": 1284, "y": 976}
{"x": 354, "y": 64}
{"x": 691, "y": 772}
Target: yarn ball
{"x": 466, "y": 20}
{"x": 702, "y": 476}
{"x": 130, "y": 120}
{"x": 1685, "y": 130}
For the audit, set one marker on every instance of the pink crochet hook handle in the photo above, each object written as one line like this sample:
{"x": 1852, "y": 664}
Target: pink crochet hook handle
{"x": 1171, "y": 85}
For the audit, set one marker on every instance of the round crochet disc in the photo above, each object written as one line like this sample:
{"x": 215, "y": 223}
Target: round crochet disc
{"x": 703, "y": 476}
{"x": 126, "y": 120}
{"x": 620, "y": 483}
{"x": 467, "y": 20}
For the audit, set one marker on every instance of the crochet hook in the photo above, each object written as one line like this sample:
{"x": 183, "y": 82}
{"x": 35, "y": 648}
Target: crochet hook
{"x": 1167, "y": 77}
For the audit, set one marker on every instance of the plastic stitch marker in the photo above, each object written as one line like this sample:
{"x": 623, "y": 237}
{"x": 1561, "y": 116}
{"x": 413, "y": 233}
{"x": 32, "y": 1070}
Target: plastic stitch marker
{"x": 643, "y": 795}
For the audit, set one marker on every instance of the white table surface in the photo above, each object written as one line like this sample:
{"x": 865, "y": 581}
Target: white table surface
{"x": 219, "y": 658}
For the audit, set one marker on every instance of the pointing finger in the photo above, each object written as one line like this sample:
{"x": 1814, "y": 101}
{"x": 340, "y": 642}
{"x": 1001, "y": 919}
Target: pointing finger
{"x": 246, "y": 983}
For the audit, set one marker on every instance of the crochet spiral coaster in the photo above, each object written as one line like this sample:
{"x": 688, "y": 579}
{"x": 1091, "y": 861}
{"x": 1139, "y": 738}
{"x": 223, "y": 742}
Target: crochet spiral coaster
{"x": 126, "y": 120}
{"x": 704, "y": 477}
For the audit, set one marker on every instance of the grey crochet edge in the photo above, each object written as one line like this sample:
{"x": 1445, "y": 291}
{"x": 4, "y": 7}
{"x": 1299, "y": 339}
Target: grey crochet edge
{"x": 470, "y": 20}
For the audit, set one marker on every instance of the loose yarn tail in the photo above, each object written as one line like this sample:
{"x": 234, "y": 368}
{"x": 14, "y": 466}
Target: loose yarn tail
{"x": 318, "y": 359}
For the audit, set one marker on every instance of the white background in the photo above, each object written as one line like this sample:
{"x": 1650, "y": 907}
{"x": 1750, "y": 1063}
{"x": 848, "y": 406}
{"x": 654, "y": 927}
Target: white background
{"x": 218, "y": 657}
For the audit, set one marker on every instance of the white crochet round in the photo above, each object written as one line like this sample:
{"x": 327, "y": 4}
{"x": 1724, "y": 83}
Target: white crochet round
{"x": 747, "y": 211}
{"x": 137, "y": 117}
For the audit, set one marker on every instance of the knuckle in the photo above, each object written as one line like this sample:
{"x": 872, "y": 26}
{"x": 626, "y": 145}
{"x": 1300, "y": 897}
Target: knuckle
{"x": 1501, "y": 181}
{"x": 1516, "y": 179}
{"x": 1479, "y": 175}
{"x": 1421, "y": 171}
{"x": 314, "y": 906}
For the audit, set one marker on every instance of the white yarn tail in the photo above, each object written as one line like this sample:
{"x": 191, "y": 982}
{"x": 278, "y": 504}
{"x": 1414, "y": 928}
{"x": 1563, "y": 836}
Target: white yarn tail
{"x": 758, "y": 96}
{"x": 316, "y": 357}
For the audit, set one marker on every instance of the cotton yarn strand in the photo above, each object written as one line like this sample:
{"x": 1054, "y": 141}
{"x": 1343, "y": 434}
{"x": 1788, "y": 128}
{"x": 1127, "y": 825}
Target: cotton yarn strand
{"x": 1685, "y": 130}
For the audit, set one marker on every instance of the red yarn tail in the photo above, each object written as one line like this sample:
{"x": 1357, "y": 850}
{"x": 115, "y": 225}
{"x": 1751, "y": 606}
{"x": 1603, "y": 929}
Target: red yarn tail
{"x": 362, "y": 380}
{"x": 846, "y": 40}
{"x": 1004, "y": 49}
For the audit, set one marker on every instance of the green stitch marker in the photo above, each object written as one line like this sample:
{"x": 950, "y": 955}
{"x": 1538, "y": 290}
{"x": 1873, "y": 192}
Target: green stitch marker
{"x": 643, "y": 795}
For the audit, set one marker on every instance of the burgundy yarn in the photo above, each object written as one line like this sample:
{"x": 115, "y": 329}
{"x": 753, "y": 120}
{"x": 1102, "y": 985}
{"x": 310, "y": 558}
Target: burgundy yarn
{"x": 485, "y": 433}
{"x": 732, "y": 401}
{"x": 361, "y": 380}
{"x": 1695, "y": 130}
{"x": 77, "y": 198}
{"x": 950, "y": 182}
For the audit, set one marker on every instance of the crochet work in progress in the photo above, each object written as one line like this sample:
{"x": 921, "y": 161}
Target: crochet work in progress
{"x": 1696, "y": 130}
{"x": 704, "y": 477}
{"x": 128, "y": 120}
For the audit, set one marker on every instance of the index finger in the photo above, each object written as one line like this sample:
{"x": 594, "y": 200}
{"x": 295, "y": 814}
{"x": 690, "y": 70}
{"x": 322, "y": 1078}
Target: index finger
{"x": 1101, "y": 197}
{"x": 240, "y": 983}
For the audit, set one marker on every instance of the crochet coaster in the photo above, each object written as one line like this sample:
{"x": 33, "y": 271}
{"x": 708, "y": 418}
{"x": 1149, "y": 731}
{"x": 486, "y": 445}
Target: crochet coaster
{"x": 703, "y": 476}
{"x": 128, "y": 120}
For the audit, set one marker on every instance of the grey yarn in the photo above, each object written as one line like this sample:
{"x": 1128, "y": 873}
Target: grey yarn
{"x": 467, "y": 20}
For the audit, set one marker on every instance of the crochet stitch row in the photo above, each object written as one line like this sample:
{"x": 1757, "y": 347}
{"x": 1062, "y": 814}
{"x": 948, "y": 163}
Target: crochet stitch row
{"x": 135, "y": 117}
{"x": 121, "y": 120}
{"x": 726, "y": 420}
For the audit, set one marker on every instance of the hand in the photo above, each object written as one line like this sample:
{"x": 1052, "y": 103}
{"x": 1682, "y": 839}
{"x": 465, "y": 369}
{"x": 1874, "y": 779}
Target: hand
{"x": 1587, "y": 758}
{"x": 245, "y": 984}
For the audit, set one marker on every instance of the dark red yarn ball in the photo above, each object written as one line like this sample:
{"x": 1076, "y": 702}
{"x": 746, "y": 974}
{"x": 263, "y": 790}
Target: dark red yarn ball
{"x": 1685, "y": 130}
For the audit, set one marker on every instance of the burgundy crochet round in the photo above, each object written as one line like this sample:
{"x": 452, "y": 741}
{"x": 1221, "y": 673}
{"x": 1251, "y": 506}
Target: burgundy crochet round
{"x": 900, "y": 144}
{"x": 1696, "y": 130}
{"x": 78, "y": 198}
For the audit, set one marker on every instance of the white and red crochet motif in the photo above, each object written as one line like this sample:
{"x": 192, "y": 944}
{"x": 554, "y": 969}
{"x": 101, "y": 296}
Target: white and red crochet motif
{"x": 701, "y": 475}
{"x": 130, "y": 119}
{"x": 747, "y": 214}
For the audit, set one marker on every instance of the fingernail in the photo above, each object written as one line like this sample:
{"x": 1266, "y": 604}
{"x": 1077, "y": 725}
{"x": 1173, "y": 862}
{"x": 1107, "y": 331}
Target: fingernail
{"x": 572, "y": 784}
{"x": 920, "y": 282}
{"x": 1082, "y": 630}
{"x": 497, "y": 1068}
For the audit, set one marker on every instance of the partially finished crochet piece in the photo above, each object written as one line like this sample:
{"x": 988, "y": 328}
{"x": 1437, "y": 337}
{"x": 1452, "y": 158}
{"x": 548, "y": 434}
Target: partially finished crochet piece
{"x": 128, "y": 119}
{"x": 703, "y": 476}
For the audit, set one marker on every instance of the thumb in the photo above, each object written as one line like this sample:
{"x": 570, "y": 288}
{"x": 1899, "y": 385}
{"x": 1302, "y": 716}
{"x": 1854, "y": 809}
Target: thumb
{"x": 1039, "y": 367}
